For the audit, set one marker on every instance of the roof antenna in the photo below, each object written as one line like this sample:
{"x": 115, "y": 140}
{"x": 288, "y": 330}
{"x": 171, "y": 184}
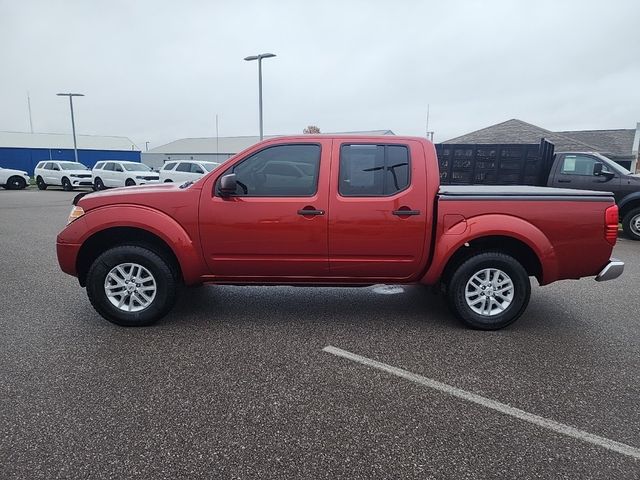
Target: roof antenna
{"x": 29, "y": 106}
{"x": 217, "y": 136}
{"x": 429, "y": 132}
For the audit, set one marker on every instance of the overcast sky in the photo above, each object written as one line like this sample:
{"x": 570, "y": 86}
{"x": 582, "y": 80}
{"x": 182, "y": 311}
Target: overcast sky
{"x": 158, "y": 71}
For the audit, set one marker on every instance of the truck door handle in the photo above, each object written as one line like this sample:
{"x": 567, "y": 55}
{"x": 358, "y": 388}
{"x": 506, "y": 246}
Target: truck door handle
{"x": 406, "y": 212}
{"x": 310, "y": 211}
{"x": 564, "y": 181}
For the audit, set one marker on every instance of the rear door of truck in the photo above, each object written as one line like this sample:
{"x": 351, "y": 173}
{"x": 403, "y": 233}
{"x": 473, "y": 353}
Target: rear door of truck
{"x": 377, "y": 208}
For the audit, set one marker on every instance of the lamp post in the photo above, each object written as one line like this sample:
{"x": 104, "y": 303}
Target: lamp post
{"x": 73, "y": 123}
{"x": 259, "y": 58}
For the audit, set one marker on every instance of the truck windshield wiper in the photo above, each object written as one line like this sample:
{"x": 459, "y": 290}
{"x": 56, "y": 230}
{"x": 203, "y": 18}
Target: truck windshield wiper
{"x": 186, "y": 184}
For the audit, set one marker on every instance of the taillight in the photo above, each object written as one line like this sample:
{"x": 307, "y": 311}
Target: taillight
{"x": 611, "y": 224}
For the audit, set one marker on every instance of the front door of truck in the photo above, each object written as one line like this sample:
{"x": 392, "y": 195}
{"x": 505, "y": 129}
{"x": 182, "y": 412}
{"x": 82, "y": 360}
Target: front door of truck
{"x": 275, "y": 225}
{"x": 576, "y": 170}
{"x": 377, "y": 210}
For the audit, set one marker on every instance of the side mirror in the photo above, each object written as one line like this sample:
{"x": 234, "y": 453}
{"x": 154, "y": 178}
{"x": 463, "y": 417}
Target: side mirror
{"x": 227, "y": 185}
{"x": 597, "y": 169}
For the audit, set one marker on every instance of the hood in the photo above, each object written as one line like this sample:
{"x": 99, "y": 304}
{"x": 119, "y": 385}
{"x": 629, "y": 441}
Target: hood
{"x": 146, "y": 195}
{"x": 12, "y": 171}
{"x": 76, "y": 172}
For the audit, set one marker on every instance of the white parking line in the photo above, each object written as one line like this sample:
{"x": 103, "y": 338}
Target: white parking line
{"x": 492, "y": 404}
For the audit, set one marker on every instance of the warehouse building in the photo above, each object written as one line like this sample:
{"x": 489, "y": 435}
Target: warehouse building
{"x": 215, "y": 149}
{"x": 23, "y": 151}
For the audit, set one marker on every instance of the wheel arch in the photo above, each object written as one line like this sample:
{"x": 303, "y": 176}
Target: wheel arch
{"x": 512, "y": 235}
{"x": 103, "y": 240}
{"x": 628, "y": 203}
{"x": 511, "y": 246}
{"x": 98, "y": 230}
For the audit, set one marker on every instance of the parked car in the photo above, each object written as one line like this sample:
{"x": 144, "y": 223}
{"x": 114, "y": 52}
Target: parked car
{"x": 185, "y": 170}
{"x": 68, "y": 175}
{"x": 119, "y": 173}
{"x": 347, "y": 210}
{"x": 13, "y": 179}
{"x": 521, "y": 164}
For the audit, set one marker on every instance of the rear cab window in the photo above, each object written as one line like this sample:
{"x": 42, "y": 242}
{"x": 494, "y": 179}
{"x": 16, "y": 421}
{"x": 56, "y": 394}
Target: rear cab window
{"x": 368, "y": 170}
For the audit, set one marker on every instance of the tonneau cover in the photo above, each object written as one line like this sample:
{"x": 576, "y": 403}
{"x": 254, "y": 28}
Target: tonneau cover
{"x": 515, "y": 191}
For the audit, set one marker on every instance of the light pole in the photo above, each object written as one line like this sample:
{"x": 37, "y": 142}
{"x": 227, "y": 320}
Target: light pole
{"x": 73, "y": 123}
{"x": 146, "y": 146}
{"x": 259, "y": 58}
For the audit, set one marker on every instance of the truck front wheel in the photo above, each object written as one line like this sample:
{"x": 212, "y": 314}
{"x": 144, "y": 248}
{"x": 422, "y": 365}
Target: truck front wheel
{"x": 631, "y": 224}
{"x": 489, "y": 291}
{"x": 132, "y": 286}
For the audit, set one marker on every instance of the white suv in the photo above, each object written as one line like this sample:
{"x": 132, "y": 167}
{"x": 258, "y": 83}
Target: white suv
{"x": 13, "y": 179}
{"x": 69, "y": 175}
{"x": 118, "y": 173}
{"x": 185, "y": 170}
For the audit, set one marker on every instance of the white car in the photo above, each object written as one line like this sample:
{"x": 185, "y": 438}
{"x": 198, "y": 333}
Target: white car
{"x": 13, "y": 179}
{"x": 120, "y": 173}
{"x": 185, "y": 170}
{"x": 69, "y": 175}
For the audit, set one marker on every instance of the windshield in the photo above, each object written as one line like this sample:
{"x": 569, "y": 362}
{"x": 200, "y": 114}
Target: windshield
{"x": 136, "y": 167}
{"x": 72, "y": 166}
{"x": 210, "y": 166}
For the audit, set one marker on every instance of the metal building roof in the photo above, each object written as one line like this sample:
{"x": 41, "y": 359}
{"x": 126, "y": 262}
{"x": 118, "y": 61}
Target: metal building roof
{"x": 230, "y": 145}
{"x": 62, "y": 140}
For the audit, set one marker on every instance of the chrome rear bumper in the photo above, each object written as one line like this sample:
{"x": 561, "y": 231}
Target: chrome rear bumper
{"x": 613, "y": 270}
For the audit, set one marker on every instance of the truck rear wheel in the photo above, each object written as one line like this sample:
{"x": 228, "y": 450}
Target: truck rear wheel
{"x": 131, "y": 286}
{"x": 489, "y": 291}
{"x": 631, "y": 224}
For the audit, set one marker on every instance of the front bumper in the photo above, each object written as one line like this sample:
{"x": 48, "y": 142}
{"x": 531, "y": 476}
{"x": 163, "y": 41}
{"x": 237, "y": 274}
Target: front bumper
{"x": 613, "y": 270}
{"x": 81, "y": 182}
{"x": 67, "y": 256}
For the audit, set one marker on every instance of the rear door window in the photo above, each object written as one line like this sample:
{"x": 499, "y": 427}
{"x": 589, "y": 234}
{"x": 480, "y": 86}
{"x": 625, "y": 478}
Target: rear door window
{"x": 373, "y": 170}
{"x": 184, "y": 167}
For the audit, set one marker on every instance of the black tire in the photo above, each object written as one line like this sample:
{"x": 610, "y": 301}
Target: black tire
{"x": 40, "y": 183}
{"x": 168, "y": 180}
{"x": 631, "y": 224}
{"x": 66, "y": 184}
{"x": 129, "y": 182}
{"x": 98, "y": 184}
{"x": 166, "y": 279}
{"x": 16, "y": 183}
{"x": 461, "y": 278}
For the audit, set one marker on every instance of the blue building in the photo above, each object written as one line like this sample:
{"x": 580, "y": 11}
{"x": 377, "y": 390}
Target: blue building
{"x": 24, "y": 150}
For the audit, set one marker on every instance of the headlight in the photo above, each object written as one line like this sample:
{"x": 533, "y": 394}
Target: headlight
{"x": 74, "y": 175}
{"x": 76, "y": 212}
{"x": 139, "y": 177}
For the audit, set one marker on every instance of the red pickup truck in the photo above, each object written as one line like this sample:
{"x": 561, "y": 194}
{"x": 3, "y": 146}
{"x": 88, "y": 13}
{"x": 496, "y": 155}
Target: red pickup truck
{"x": 340, "y": 211}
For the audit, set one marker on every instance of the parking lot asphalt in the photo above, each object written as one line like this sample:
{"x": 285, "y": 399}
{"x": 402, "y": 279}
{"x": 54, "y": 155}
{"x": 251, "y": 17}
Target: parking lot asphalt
{"x": 234, "y": 382}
